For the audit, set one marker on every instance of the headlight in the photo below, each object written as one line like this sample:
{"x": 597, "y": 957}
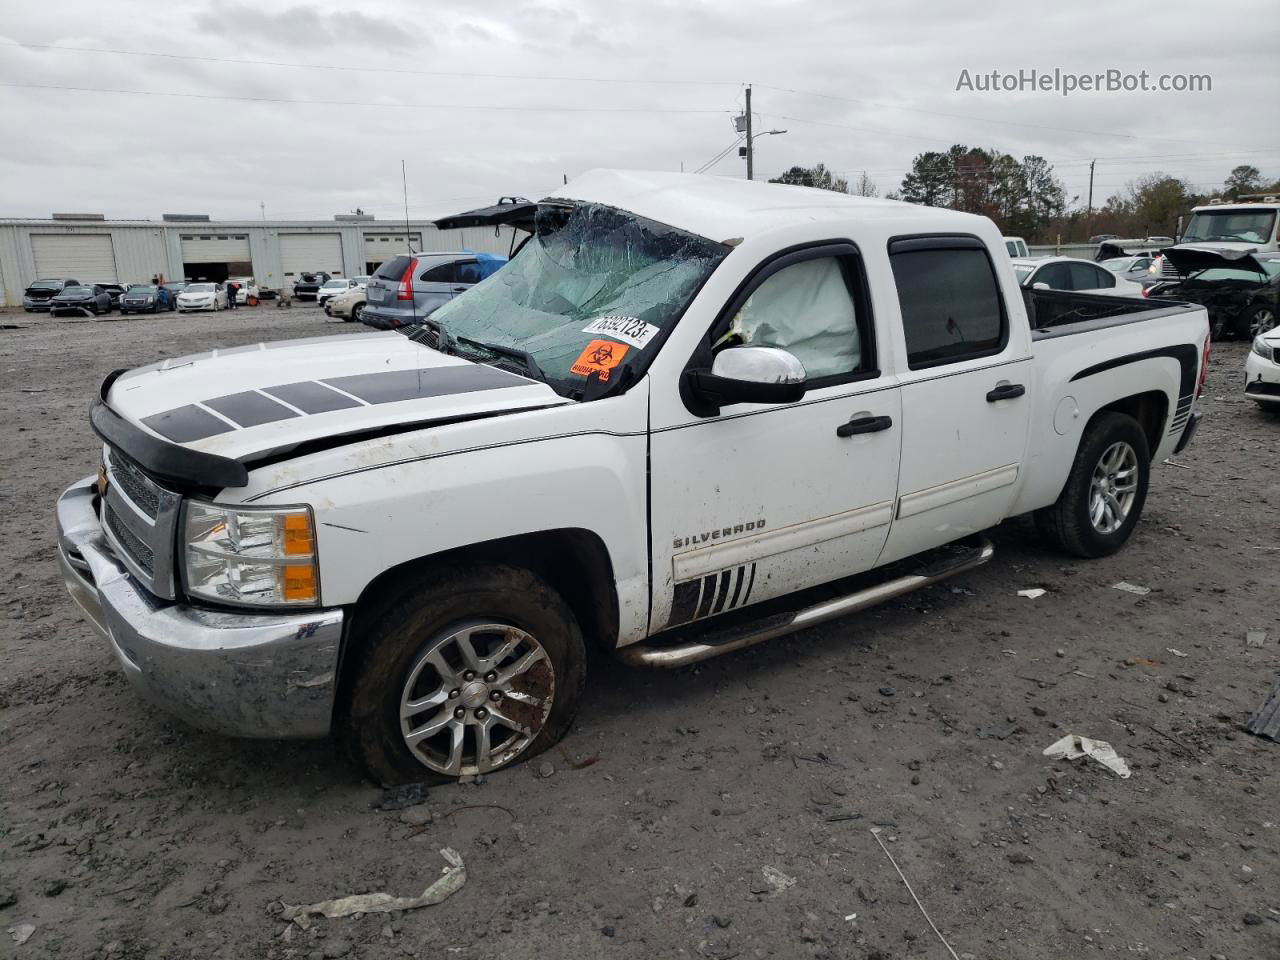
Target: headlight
{"x": 1262, "y": 348}
{"x": 246, "y": 555}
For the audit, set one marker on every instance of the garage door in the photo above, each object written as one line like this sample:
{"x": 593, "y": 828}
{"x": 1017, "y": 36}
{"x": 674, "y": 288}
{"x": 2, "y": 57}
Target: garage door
{"x": 381, "y": 247}
{"x": 215, "y": 248}
{"x": 300, "y": 252}
{"x": 87, "y": 257}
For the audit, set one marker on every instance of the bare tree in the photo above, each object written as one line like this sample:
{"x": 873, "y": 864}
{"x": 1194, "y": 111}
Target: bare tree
{"x": 864, "y": 186}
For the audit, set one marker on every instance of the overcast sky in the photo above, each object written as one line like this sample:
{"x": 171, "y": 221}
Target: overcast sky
{"x": 408, "y": 88}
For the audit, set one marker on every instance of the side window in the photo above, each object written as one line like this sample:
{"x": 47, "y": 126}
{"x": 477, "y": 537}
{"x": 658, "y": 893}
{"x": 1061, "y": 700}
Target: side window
{"x": 1056, "y": 275}
{"x": 1141, "y": 263}
{"x": 441, "y": 274}
{"x": 1085, "y": 276}
{"x": 808, "y": 309}
{"x": 468, "y": 271}
{"x": 951, "y": 306}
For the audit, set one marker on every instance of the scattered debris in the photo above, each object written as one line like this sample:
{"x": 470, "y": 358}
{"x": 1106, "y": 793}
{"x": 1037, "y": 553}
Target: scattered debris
{"x": 579, "y": 764}
{"x": 1266, "y": 722}
{"x": 1000, "y": 732}
{"x": 777, "y": 879}
{"x": 1176, "y": 653}
{"x": 1033, "y": 593}
{"x": 454, "y": 876}
{"x": 876, "y": 833}
{"x": 1128, "y": 587}
{"x": 1073, "y": 747}
{"x": 397, "y": 798}
{"x": 1019, "y": 857}
{"x": 1255, "y": 638}
{"x": 22, "y": 932}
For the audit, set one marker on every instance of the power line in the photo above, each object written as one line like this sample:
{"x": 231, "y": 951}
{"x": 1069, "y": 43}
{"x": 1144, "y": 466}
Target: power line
{"x": 719, "y": 156}
{"x": 506, "y": 108}
{"x": 352, "y": 69}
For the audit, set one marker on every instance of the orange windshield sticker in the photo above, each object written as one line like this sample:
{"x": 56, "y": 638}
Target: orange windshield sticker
{"x": 600, "y": 356}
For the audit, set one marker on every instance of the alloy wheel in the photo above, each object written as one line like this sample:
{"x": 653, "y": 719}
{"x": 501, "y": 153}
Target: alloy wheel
{"x": 1113, "y": 488}
{"x": 476, "y": 698}
{"x": 1262, "y": 320}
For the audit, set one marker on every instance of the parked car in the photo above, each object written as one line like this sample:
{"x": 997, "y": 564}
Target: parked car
{"x": 407, "y": 289}
{"x": 1068, "y": 273}
{"x": 1016, "y": 246}
{"x": 40, "y": 294}
{"x": 202, "y": 296}
{"x": 1241, "y": 291}
{"x": 175, "y": 287}
{"x": 248, "y": 288}
{"x": 114, "y": 290}
{"x": 82, "y": 299}
{"x": 1099, "y": 237}
{"x": 1134, "y": 269}
{"x": 634, "y": 434}
{"x": 308, "y": 285}
{"x": 147, "y": 298}
{"x": 1262, "y": 371}
{"x": 334, "y": 286}
{"x": 346, "y": 306}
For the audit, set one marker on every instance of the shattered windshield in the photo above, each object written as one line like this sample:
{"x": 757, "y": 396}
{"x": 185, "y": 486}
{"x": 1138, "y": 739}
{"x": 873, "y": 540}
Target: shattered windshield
{"x": 588, "y": 294}
{"x": 1249, "y": 226}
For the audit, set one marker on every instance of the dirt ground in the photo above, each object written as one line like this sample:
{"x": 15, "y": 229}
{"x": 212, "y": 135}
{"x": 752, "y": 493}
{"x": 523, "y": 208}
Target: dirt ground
{"x": 731, "y": 808}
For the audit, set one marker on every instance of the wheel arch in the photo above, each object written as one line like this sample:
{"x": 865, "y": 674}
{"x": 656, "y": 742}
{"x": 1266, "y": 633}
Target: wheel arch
{"x": 574, "y": 561}
{"x": 1150, "y": 408}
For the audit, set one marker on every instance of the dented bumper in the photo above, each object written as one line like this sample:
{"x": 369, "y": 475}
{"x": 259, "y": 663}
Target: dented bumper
{"x": 246, "y": 674}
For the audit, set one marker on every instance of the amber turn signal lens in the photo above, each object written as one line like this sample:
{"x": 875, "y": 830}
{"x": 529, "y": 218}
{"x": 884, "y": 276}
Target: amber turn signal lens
{"x": 299, "y": 583}
{"x": 297, "y": 535}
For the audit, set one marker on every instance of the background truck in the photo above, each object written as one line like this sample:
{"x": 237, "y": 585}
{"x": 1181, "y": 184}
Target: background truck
{"x": 689, "y": 415}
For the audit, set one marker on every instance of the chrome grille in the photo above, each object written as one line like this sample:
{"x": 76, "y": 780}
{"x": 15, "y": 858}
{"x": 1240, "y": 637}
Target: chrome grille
{"x": 135, "y": 485}
{"x": 140, "y": 518}
{"x": 138, "y": 551}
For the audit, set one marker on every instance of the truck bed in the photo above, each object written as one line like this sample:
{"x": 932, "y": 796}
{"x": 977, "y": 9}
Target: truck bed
{"x": 1059, "y": 313}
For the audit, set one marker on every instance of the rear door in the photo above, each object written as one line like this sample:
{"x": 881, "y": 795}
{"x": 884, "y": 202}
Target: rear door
{"x": 965, "y": 402}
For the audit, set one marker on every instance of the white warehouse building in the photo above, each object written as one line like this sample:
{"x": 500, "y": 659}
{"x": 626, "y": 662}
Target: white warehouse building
{"x": 92, "y": 249}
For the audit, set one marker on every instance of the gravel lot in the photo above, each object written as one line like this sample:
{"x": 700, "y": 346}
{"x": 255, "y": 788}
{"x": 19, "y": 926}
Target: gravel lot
{"x": 123, "y": 834}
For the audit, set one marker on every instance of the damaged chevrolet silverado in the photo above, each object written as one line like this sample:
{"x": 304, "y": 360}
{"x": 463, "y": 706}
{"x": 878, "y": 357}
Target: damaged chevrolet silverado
{"x": 690, "y": 415}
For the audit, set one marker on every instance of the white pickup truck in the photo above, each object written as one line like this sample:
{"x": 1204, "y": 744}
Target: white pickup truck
{"x": 691, "y": 414}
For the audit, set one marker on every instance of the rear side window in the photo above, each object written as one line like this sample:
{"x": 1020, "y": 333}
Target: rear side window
{"x": 442, "y": 273}
{"x": 467, "y": 271}
{"x": 951, "y": 306}
{"x": 393, "y": 269}
{"x": 1085, "y": 276}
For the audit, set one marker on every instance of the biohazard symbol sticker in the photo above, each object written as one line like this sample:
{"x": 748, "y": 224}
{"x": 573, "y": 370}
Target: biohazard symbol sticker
{"x": 600, "y": 357}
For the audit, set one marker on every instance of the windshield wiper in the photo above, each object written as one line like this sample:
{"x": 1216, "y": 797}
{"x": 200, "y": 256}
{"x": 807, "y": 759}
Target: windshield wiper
{"x": 524, "y": 356}
{"x": 425, "y": 326}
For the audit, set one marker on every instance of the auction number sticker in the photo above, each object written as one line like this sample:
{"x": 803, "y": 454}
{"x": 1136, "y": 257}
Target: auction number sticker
{"x": 600, "y": 357}
{"x": 630, "y": 330}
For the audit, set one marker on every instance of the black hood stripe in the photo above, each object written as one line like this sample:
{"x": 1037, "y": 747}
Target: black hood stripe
{"x": 251, "y": 408}
{"x": 185, "y": 424}
{"x": 419, "y": 384}
{"x": 312, "y": 397}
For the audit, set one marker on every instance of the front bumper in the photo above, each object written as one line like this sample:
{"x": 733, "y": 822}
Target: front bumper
{"x": 1262, "y": 379}
{"x": 268, "y": 675}
{"x": 29, "y": 304}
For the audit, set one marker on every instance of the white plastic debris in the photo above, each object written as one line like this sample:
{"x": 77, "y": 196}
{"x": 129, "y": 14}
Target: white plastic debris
{"x": 22, "y": 932}
{"x": 1131, "y": 588}
{"x": 455, "y": 875}
{"x": 777, "y": 879}
{"x": 1073, "y": 747}
{"x": 1176, "y": 653}
{"x": 1255, "y": 638}
{"x": 1033, "y": 593}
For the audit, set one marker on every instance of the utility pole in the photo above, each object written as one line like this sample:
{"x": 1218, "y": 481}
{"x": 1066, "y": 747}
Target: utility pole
{"x": 1089, "y": 209}
{"x": 263, "y": 205}
{"x": 751, "y": 147}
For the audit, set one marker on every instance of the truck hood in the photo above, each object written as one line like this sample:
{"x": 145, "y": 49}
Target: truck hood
{"x": 1189, "y": 260}
{"x": 246, "y": 403}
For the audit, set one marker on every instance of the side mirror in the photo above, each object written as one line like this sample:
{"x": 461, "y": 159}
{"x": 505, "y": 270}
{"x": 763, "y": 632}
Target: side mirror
{"x": 1041, "y": 286}
{"x": 749, "y": 375}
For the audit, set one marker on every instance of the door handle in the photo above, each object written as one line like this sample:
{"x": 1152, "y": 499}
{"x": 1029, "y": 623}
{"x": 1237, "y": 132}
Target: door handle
{"x": 1006, "y": 391}
{"x": 864, "y": 425}
{"x": 461, "y": 289}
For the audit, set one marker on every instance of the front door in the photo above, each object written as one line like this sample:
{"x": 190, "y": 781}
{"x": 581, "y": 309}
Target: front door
{"x": 965, "y": 394}
{"x": 760, "y": 500}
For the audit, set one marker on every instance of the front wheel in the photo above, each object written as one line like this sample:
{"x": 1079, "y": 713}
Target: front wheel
{"x": 1105, "y": 490}
{"x": 480, "y": 670}
{"x": 1261, "y": 320}
{"x": 356, "y": 311}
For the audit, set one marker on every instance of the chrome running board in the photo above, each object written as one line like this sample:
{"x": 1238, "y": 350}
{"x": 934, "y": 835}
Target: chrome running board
{"x": 715, "y": 643}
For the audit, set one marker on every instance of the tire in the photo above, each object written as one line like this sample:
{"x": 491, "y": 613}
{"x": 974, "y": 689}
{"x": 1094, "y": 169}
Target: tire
{"x": 356, "y": 312}
{"x": 1070, "y": 523}
{"x": 390, "y": 664}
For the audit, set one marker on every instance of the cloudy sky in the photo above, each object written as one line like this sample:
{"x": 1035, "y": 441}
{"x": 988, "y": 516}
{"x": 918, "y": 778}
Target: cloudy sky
{"x": 482, "y": 100}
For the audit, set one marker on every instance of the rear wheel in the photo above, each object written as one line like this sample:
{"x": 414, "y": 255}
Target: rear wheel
{"x": 1105, "y": 490}
{"x": 479, "y": 670}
